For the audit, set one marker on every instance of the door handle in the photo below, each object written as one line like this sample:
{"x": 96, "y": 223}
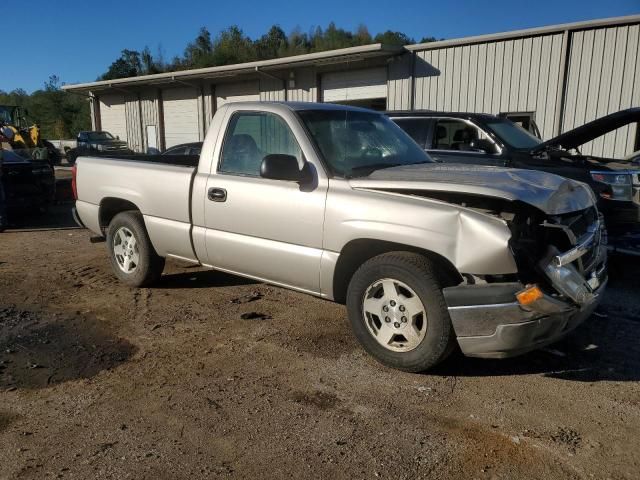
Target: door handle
{"x": 217, "y": 194}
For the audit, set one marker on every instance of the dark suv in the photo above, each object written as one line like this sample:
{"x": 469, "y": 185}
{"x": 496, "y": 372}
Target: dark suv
{"x": 482, "y": 139}
{"x": 98, "y": 143}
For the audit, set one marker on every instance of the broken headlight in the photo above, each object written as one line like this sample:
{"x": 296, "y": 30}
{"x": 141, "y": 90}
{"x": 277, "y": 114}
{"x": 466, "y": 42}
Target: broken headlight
{"x": 568, "y": 281}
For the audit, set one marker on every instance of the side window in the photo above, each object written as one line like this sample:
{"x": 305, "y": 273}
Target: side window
{"x": 417, "y": 128}
{"x": 250, "y": 137}
{"x": 82, "y": 137}
{"x": 452, "y": 134}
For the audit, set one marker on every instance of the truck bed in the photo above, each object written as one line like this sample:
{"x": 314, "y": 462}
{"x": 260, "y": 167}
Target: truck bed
{"x": 159, "y": 186}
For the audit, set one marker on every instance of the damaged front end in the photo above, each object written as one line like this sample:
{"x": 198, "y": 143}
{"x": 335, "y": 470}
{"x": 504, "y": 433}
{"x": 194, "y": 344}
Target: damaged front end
{"x": 561, "y": 274}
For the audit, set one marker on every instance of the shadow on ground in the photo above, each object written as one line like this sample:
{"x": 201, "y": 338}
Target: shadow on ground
{"x": 201, "y": 279}
{"x": 56, "y": 217}
{"x": 40, "y": 349}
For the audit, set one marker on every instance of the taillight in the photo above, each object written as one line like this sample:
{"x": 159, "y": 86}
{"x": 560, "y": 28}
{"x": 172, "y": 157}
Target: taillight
{"x": 74, "y": 185}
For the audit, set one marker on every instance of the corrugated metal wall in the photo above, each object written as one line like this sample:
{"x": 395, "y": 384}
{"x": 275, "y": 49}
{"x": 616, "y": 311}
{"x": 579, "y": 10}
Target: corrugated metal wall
{"x": 132, "y": 113}
{"x": 271, "y": 90}
{"x": 306, "y": 89}
{"x": 149, "y": 108}
{"x": 399, "y": 82}
{"x": 503, "y": 76}
{"x": 603, "y": 77}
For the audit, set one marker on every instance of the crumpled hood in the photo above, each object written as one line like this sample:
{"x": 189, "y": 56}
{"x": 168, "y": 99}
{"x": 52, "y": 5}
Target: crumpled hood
{"x": 550, "y": 193}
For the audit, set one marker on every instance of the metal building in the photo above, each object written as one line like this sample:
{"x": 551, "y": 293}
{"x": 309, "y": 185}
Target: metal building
{"x": 559, "y": 76}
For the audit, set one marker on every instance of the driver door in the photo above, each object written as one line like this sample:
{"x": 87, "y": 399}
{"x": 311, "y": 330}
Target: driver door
{"x": 264, "y": 228}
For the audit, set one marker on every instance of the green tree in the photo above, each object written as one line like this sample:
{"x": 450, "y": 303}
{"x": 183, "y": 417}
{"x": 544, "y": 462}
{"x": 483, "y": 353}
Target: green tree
{"x": 128, "y": 65}
{"x": 362, "y": 36}
{"x": 232, "y": 46}
{"x": 198, "y": 53}
{"x": 393, "y": 38}
{"x": 273, "y": 44}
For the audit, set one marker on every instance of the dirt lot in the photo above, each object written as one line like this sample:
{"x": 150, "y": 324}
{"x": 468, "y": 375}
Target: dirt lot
{"x": 101, "y": 381}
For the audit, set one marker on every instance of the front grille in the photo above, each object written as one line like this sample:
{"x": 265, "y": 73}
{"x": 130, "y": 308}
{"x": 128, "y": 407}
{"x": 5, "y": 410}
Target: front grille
{"x": 579, "y": 223}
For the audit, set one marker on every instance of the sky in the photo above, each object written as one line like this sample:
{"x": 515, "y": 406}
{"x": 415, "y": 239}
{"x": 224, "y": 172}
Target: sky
{"x": 78, "y": 39}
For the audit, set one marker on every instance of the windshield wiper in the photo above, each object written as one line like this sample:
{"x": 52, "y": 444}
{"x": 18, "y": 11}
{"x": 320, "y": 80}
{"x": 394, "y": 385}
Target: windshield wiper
{"x": 369, "y": 169}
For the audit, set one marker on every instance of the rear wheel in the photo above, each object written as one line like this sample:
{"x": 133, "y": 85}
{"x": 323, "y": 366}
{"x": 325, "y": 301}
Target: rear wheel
{"x": 133, "y": 258}
{"x": 398, "y": 313}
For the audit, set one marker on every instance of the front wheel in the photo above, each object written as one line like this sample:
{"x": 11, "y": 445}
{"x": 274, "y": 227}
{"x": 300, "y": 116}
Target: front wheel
{"x": 133, "y": 258}
{"x": 398, "y": 313}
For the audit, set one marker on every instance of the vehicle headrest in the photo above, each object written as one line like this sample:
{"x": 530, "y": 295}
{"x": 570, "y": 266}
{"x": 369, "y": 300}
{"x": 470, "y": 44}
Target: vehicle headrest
{"x": 441, "y": 132}
{"x": 464, "y": 135}
{"x": 242, "y": 141}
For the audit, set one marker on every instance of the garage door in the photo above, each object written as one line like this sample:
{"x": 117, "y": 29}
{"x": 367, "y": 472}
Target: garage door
{"x": 181, "y": 118}
{"x": 112, "y": 115}
{"x": 237, "y": 92}
{"x": 354, "y": 85}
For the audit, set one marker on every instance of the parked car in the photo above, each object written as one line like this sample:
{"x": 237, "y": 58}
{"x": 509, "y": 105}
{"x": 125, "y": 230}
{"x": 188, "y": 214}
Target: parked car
{"x": 339, "y": 202}
{"x": 480, "y": 139}
{"x": 98, "y": 143}
{"x": 193, "y": 148}
{"x": 29, "y": 185}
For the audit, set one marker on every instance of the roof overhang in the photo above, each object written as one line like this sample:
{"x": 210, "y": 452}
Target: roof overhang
{"x": 529, "y": 32}
{"x": 343, "y": 55}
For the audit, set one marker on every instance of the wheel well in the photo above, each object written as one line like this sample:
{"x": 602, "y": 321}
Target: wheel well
{"x": 110, "y": 207}
{"x": 356, "y": 252}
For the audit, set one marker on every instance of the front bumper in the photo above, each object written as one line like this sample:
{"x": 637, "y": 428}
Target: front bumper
{"x": 489, "y": 322}
{"x": 516, "y": 329}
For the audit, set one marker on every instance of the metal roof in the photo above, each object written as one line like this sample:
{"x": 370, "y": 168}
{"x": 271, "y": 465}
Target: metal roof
{"x": 317, "y": 58}
{"x": 529, "y": 32}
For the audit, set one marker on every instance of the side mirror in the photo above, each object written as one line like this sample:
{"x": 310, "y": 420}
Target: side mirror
{"x": 483, "y": 145}
{"x": 117, "y": 137}
{"x": 279, "y": 166}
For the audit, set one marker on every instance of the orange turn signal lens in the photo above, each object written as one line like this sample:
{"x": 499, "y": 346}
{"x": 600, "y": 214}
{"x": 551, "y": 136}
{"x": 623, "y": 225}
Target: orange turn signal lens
{"x": 529, "y": 295}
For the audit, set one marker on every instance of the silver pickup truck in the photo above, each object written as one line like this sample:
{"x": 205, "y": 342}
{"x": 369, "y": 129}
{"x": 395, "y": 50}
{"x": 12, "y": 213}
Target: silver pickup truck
{"x": 340, "y": 203}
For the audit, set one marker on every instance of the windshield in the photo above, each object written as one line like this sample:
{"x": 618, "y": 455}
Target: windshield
{"x": 6, "y": 114}
{"x": 97, "y": 136}
{"x": 514, "y": 135}
{"x": 357, "y": 143}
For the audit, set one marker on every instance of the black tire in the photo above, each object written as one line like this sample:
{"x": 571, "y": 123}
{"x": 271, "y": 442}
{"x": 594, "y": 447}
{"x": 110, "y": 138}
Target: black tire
{"x": 150, "y": 265}
{"x": 418, "y": 273}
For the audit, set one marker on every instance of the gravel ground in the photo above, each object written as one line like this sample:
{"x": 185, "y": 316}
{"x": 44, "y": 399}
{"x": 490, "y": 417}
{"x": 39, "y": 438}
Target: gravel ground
{"x": 101, "y": 381}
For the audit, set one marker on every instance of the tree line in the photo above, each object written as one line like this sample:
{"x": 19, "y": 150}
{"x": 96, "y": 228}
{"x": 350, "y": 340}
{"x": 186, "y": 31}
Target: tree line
{"x": 232, "y": 46}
